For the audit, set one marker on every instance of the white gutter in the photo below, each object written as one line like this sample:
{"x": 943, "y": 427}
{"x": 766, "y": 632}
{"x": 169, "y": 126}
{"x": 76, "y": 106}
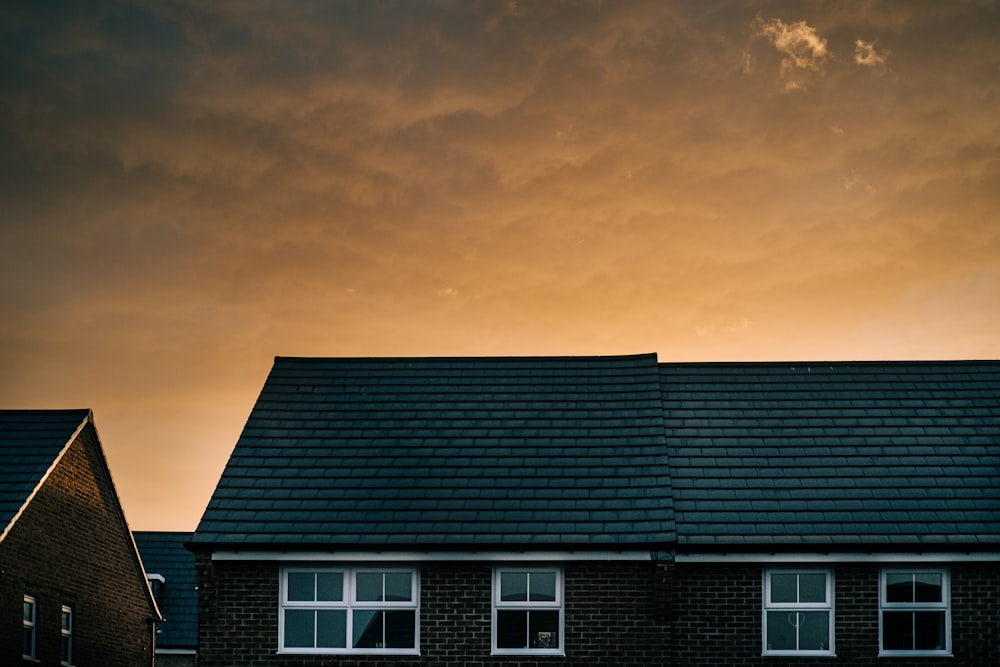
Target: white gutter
{"x": 426, "y": 556}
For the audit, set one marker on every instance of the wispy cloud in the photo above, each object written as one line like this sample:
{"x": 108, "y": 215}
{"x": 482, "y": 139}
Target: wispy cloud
{"x": 867, "y": 55}
{"x": 802, "y": 48}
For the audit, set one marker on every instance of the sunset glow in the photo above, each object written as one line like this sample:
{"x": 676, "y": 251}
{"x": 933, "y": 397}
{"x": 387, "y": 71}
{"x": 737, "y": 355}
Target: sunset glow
{"x": 190, "y": 189}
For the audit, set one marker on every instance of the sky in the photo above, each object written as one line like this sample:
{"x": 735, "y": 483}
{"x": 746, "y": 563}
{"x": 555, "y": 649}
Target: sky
{"x": 189, "y": 189}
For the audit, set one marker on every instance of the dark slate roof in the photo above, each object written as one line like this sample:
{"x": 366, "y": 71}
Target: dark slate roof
{"x": 834, "y": 453}
{"x": 538, "y": 451}
{"x": 177, "y": 597}
{"x": 30, "y": 442}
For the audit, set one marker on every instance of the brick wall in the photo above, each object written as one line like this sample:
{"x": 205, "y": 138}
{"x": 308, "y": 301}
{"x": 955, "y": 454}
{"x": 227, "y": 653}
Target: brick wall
{"x": 70, "y": 547}
{"x": 614, "y": 615}
{"x": 717, "y": 617}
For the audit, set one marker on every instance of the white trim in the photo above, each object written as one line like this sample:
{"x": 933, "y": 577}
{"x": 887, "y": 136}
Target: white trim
{"x": 45, "y": 476}
{"x": 428, "y": 556}
{"x": 176, "y": 651}
{"x": 152, "y": 576}
{"x": 847, "y": 557}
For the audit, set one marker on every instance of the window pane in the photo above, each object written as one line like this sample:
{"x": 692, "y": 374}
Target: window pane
{"x": 543, "y": 629}
{"x": 301, "y": 586}
{"x": 814, "y": 630}
{"x": 781, "y": 630}
{"x": 67, "y": 620}
{"x": 29, "y": 611}
{"x": 783, "y": 587}
{"x": 65, "y": 650}
{"x": 369, "y": 586}
{"x": 930, "y": 630}
{"x": 29, "y": 643}
{"x": 513, "y": 586}
{"x": 331, "y": 628}
{"x": 812, "y": 587}
{"x": 927, "y": 587}
{"x": 512, "y": 629}
{"x": 367, "y": 629}
{"x": 400, "y": 629}
{"x": 299, "y": 628}
{"x": 543, "y": 586}
{"x": 898, "y": 587}
{"x": 329, "y": 586}
{"x": 398, "y": 586}
{"x": 897, "y": 630}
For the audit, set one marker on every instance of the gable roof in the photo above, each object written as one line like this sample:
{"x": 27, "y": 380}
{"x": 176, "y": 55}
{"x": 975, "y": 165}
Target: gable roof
{"x": 164, "y": 554}
{"x": 834, "y": 453}
{"x": 536, "y": 451}
{"x": 31, "y": 443}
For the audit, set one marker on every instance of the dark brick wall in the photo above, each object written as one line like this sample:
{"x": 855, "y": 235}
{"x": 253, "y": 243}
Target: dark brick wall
{"x": 71, "y": 547}
{"x": 615, "y": 615}
{"x": 717, "y": 617}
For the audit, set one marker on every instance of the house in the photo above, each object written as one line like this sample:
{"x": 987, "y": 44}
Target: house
{"x": 442, "y": 511}
{"x": 170, "y": 571}
{"x": 607, "y": 510}
{"x": 847, "y": 512}
{"x": 67, "y": 559}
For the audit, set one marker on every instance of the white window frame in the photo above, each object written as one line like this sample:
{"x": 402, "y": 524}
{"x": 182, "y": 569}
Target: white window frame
{"x": 555, "y": 605}
{"x": 30, "y": 626}
{"x": 795, "y": 607}
{"x": 944, "y": 605}
{"x": 350, "y": 604}
{"x": 66, "y": 635}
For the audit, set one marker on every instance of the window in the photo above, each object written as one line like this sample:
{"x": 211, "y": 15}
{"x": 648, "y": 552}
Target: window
{"x": 527, "y": 610}
{"x": 348, "y": 610}
{"x": 798, "y": 612}
{"x": 66, "y": 636}
{"x": 914, "y": 612}
{"x": 29, "y": 613}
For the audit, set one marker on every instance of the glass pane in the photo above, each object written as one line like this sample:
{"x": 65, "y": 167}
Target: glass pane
{"x": 513, "y": 586}
{"x": 330, "y": 586}
{"x": 29, "y": 643}
{"x": 512, "y": 629}
{"x": 543, "y": 629}
{"x": 29, "y": 611}
{"x": 400, "y": 629}
{"x": 927, "y": 587}
{"x": 812, "y": 587}
{"x": 781, "y": 630}
{"x": 542, "y": 586}
{"x": 367, "y": 629}
{"x": 65, "y": 650}
{"x": 301, "y": 586}
{"x": 398, "y": 586}
{"x": 67, "y": 622}
{"x": 897, "y": 631}
{"x": 930, "y": 630}
{"x": 331, "y": 628}
{"x": 898, "y": 587}
{"x": 369, "y": 586}
{"x": 783, "y": 587}
{"x": 299, "y": 628}
{"x": 814, "y": 630}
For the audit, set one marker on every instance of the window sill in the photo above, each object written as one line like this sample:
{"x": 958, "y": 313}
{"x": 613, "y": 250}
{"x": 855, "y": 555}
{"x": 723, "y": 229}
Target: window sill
{"x": 916, "y": 654}
{"x": 541, "y": 653}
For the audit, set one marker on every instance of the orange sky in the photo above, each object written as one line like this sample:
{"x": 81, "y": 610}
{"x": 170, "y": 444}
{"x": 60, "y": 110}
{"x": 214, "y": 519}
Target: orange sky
{"x": 188, "y": 190}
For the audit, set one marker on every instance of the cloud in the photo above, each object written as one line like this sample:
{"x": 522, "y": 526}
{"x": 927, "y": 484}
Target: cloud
{"x": 866, "y": 55}
{"x": 802, "y": 47}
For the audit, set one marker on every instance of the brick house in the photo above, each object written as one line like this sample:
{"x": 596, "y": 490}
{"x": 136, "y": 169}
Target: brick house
{"x": 171, "y": 574}
{"x": 445, "y": 512}
{"x": 607, "y": 510}
{"x": 835, "y": 513}
{"x": 72, "y": 586}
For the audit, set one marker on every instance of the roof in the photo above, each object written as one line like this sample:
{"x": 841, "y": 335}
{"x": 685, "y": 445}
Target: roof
{"x": 163, "y": 554}
{"x": 31, "y": 442}
{"x": 834, "y": 453}
{"x": 538, "y": 451}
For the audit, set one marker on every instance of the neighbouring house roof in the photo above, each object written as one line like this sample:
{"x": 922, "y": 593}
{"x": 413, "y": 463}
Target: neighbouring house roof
{"x": 164, "y": 554}
{"x": 31, "y": 443}
{"x": 848, "y": 454}
{"x": 537, "y": 451}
